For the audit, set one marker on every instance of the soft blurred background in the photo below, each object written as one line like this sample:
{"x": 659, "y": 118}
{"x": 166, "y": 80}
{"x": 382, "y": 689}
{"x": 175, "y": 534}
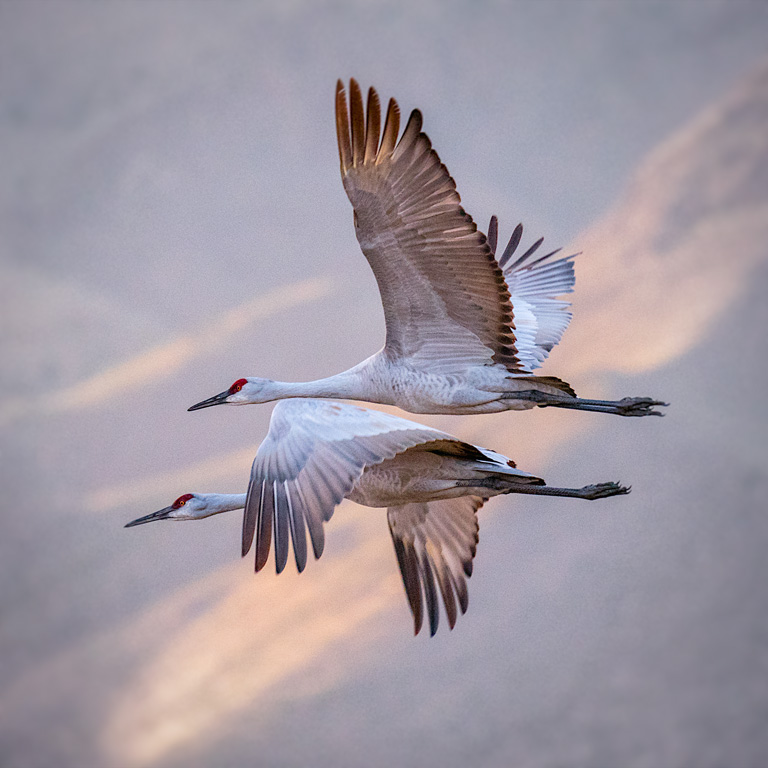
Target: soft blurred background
{"x": 172, "y": 218}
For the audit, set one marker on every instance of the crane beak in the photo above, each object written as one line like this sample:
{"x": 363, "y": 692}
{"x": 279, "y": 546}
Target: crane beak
{"x": 161, "y": 514}
{"x": 219, "y": 399}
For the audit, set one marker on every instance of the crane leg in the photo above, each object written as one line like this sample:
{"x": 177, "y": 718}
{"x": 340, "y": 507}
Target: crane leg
{"x": 589, "y": 492}
{"x": 628, "y": 406}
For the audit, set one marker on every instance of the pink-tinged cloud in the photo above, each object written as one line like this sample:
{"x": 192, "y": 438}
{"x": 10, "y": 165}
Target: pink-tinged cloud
{"x": 678, "y": 248}
{"x": 164, "y": 360}
{"x": 269, "y": 641}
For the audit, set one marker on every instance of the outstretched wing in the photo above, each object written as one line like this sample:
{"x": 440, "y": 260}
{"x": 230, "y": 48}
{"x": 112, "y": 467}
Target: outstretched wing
{"x": 312, "y": 455}
{"x": 534, "y": 283}
{"x": 446, "y": 304}
{"x": 435, "y": 543}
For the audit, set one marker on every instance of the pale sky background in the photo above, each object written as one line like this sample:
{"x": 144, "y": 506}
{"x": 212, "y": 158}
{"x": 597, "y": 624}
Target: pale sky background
{"x": 172, "y": 218}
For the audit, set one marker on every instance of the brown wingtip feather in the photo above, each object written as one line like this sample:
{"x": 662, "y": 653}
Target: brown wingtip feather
{"x": 357, "y": 117}
{"x": 359, "y": 133}
{"x": 410, "y": 133}
{"x": 342, "y": 128}
{"x": 391, "y": 129}
{"x": 373, "y": 126}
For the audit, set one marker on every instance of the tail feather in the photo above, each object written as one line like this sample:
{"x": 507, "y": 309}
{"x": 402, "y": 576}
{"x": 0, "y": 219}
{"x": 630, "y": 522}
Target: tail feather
{"x": 552, "y": 381}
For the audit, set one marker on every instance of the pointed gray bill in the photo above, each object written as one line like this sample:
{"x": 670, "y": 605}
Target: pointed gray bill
{"x": 219, "y": 399}
{"x": 161, "y": 514}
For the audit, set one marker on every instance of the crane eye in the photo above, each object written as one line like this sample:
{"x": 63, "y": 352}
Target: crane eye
{"x": 181, "y": 501}
{"x": 237, "y": 386}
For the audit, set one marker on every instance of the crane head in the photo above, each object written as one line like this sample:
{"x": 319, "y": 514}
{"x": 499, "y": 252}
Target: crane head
{"x": 189, "y": 506}
{"x": 242, "y": 392}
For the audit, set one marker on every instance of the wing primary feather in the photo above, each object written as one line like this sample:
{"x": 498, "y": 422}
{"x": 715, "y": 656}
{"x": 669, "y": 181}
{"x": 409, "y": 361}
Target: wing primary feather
{"x": 528, "y": 253}
{"x": 493, "y": 233}
{"x": 298, "y": 531}
{"x": 460, "y": 586}
{"x": 440, "y": 569}
{"x": 373, "y": 126}
{"x": 264, "y": 526}
{"x": 407, "y": 559}
{"x": 514, "y": 241}
{"x": 391, "y": 129}
{"x": 342, "y": 128}
{"x": 409, "y": 574}
{"x": 410, "y": 134}
{"x": 281, "y": 524}
{"x": 544, "y": 258}
{"x": 358, "y": 122}
{"x": 249, "y": 521}
{"x": 430, "y": 594}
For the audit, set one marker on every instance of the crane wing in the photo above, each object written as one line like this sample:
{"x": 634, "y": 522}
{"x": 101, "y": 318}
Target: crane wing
{"x": 534, "y": 283}
{"x": 312, "y": 455}
{"x": 446, "y": 304}
{"x": 435, "y": 543}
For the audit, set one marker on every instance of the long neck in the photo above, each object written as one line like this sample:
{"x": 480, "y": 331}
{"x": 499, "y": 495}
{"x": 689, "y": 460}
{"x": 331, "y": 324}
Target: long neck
{"x": 224, "y": 502}
{"x": 349, "y": 385}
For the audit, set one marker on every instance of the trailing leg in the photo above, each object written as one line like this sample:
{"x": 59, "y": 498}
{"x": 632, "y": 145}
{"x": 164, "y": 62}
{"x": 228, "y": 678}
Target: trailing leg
{"x": 628, "y": 406}
{"x": 538, "y": 488}
{"x": 589, "y": 492}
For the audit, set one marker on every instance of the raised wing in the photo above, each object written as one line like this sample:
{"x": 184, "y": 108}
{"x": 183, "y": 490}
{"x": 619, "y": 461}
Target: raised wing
{"x": 534, "y": 283}
{"x": 312, "y": 455}
{"x": 435, "y": 543}
{"x": 446, "y": 304}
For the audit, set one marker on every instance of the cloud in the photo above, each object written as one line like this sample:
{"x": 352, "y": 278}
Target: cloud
{"x": 230, "y": 641}
{"x": 166, "y": 359}
{"x": 269, "y": 640}
{"x": 162, "y": 361}
{"x": 193, "y": 478}
{"x": 678, "y": 248}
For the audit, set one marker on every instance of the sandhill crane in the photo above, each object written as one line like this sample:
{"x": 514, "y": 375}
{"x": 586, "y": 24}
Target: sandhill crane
{"x": 453, "y": 342}
{"x": 317, "y": 453}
